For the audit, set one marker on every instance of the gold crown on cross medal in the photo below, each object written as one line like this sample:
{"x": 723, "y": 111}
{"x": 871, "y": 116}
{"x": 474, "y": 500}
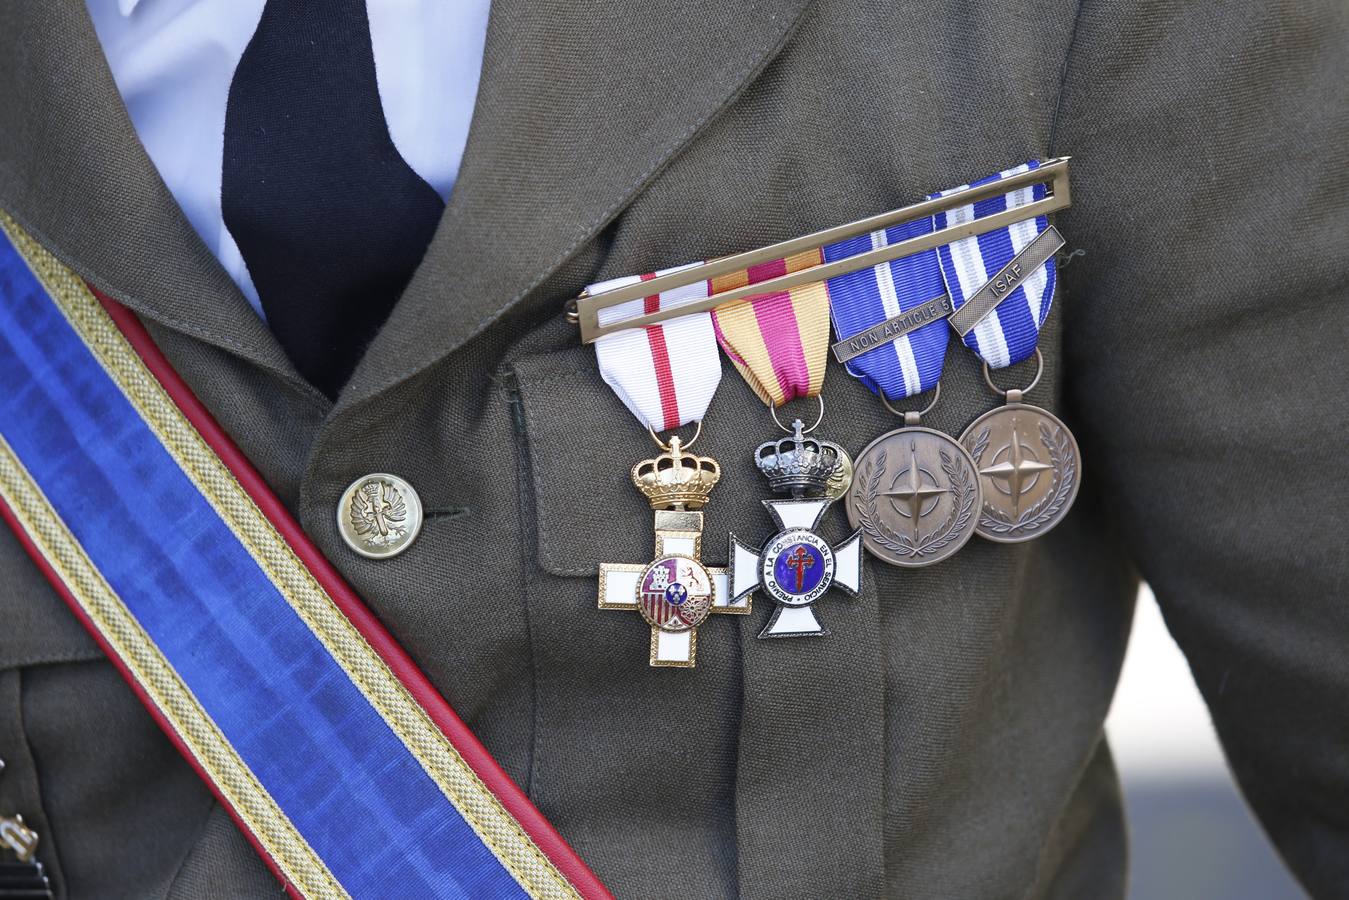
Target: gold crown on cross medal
{"x": 798, "y": 464}
{"x": 676, "y": 479}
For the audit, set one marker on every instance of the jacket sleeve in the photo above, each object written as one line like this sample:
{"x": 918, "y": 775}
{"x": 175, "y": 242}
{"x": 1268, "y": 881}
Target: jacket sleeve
{"x": 1206, "y": 330}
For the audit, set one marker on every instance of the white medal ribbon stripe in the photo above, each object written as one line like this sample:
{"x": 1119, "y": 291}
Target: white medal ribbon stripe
{"x": 972, "y": 275}
{"x": 626, "y": 366}
{"x": 672, "y": 298}
{"x": 885, "y": 284}
{"x": 1022, "y": 233}
{"x": 664, "y": 374}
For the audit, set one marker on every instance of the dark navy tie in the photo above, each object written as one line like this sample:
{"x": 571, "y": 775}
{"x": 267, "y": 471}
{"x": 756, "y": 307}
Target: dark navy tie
{"x": 330, "y": 219}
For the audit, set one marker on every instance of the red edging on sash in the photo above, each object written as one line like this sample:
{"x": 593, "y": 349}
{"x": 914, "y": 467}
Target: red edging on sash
{"x": 552, "y": 844}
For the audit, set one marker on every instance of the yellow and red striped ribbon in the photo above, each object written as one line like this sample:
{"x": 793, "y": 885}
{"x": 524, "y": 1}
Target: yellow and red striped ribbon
{"x": 779, "y": 341}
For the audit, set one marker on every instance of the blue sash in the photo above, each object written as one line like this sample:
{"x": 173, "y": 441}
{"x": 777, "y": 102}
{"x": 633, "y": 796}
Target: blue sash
{"x": 342, "y": 765}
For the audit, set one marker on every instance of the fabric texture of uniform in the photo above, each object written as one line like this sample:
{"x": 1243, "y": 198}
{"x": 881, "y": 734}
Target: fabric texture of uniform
{"x": 945, "y": 740}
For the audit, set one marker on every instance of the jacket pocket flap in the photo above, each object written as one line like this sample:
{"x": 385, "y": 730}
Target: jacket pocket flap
{"x": 580, "y": 444}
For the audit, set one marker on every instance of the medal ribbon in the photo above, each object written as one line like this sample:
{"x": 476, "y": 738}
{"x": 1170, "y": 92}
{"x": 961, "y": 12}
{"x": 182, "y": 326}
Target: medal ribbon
{"x": 913, "y": 362}
{"x": 779, "y": 342}
{"x": 1008, "y": 334}
{"x": 665, "y": 374}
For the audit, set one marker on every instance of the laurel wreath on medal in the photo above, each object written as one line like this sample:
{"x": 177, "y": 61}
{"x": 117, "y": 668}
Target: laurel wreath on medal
{"x": 962, "y": 491}
{"x": 1064, "y": 462}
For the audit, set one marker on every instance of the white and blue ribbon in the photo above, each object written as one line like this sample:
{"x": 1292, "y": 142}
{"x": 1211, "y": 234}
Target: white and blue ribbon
{"x": 912, "y": 363}
{"x": 1008, "y": 334}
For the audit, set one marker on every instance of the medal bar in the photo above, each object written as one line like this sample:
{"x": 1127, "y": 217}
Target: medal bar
{"x": 588, "y": 308}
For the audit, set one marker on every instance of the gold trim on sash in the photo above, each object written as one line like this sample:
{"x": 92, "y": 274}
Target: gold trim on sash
{"x": 499, "y": 830}
{"x": 156, "y": 676}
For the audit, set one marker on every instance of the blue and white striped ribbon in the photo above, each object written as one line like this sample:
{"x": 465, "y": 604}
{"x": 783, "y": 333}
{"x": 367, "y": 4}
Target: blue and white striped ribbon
{"x": 1008, "y": 334}
{"x": 913, "y": 363}
{"x": 857, "y": 301}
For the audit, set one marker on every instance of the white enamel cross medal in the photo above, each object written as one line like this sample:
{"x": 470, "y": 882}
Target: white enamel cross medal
{"x": 797, "y": 566}
{"x": 675, "y": 592}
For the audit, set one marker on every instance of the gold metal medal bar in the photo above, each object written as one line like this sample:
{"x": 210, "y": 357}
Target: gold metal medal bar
{"x": 1052, "y": 174}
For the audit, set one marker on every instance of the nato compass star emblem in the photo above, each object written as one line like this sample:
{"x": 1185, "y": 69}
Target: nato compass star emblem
{"x": 797, "y": 566}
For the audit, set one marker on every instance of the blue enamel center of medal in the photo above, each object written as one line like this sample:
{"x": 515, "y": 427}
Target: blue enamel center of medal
{"x": 799, "y": 561}
{"x": 676, "y": 594}
{"x": 349, "y": 785}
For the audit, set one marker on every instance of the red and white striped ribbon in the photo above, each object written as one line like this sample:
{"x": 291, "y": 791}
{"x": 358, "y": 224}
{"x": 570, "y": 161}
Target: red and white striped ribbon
{"x": 667, "y": 373}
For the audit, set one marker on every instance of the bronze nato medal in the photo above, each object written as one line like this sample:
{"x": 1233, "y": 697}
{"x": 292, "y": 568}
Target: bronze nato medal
{"x": 915, "y": 494}
{"x": 1029, "y": 468}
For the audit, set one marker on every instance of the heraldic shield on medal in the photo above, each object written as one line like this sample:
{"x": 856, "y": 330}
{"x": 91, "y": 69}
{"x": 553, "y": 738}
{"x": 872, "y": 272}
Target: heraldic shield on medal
{"x": 675, "y": 593}
{"x": 797, "y": 566}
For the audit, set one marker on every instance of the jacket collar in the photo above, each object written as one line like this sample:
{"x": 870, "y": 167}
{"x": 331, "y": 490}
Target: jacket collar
{"x": 75, "y": 176}
{"x": 578, "y": 109}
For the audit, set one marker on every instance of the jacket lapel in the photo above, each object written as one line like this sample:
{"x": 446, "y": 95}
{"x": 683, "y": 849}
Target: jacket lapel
{"x": 579, "y": 107}
{"x": 75, "y": 176}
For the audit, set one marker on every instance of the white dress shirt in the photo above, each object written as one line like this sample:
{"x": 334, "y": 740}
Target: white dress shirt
{"x": 173, "y": 61}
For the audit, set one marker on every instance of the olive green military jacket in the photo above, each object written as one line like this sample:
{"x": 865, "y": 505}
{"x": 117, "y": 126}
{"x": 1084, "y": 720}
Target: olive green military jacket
{"x": 945, "y": 740}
